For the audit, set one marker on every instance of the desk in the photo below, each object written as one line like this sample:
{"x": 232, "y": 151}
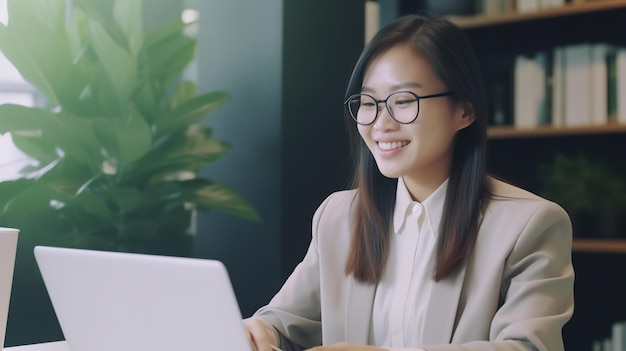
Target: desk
{"x": 46, "y": 346}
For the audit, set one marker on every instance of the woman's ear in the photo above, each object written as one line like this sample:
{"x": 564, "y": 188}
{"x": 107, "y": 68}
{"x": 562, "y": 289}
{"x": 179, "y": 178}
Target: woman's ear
{"x": 467, "y": 116}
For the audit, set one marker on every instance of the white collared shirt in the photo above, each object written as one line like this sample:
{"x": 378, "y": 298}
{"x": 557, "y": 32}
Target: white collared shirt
{"x": 401, "y": 296}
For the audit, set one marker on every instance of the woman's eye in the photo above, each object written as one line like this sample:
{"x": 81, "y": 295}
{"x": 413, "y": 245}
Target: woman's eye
{"x": 405, "y": 102}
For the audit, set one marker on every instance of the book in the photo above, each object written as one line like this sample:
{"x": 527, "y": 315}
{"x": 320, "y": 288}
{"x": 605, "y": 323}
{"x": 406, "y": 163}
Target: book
{"x": 618, "y": 335}
{"x": 530, "y": 90}
{"x": 527, "y": 5}
{"x": 577, "y": 85}
{"x": 524, "y": 111}
{"x": 599, "y": 93}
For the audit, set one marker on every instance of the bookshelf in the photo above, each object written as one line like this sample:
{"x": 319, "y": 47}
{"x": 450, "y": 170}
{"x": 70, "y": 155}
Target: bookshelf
{"x": 517, "y": 153}
{"x": 548, "y": 131}
{"x": 617, "y": 246}
{"x": 568, "y": 9}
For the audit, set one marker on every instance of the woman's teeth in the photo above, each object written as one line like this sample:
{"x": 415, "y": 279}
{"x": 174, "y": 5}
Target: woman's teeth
{"x": 391, "y": 145}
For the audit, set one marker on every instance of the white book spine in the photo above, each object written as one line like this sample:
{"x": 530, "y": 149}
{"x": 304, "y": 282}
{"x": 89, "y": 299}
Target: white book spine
{"x": 578, "y": 82}
{"x": 596, "y": 346}
{"x": 617, "y": 336}
{"x": 525, "y": 115}
{"x": 599, "y": 94}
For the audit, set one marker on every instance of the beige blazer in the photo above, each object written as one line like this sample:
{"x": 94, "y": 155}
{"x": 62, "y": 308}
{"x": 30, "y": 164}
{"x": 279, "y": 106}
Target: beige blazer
{"x": 515, "y": 293}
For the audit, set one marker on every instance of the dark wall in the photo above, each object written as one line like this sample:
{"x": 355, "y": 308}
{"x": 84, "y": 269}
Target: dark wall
{"x": 322, "y": 41}
{"x": 285, "y": 64}
{"x": 240, "y": 52}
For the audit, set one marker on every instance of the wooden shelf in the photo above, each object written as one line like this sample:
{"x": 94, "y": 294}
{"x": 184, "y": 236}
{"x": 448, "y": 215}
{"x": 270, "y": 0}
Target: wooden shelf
{"x": 599, "y": 245}
{"x": 514, "y": 17}
{"x": 548, "y": 131}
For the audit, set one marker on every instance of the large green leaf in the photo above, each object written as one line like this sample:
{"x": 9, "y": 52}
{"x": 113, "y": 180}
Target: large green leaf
{"x": 167, "y": 32}
{"x": 127, "y": 199}
{"x": 26, "y": 126}
{"x": 123, "y": 140}
{"x": 36, "y": 201}
{"x": 206, "y": 195}
{"x": 135, "y": 137}
{"x": 9, "y": 189}
{"x": 20, "y": 118}
{"x": 185, "y": 90}
{"x": 168, "y": 51}
{"x": 35, "y": 42}
{"x": 70, "y": 176}
{"x": 39, "y": 133}
{"x": 128, "y": 15}
{"x": 190, "y": 112}
{"x": 181, "y": 153}
{"x": 19, "y": 56}
{"x": 118, "y": 63}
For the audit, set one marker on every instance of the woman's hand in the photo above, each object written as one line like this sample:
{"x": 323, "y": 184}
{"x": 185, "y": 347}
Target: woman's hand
{"x": 346, "y": 347}
{"x": 260, "y": 336}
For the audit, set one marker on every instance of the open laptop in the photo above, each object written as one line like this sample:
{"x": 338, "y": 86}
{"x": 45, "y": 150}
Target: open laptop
{"x": 8, "y": 249}
{"x": 113, "y": 301}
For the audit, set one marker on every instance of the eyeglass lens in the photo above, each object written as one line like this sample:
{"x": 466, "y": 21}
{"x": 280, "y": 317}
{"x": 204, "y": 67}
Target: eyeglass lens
{"x": 403, "y": 107}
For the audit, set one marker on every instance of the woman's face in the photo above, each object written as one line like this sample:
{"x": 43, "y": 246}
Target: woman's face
{"x": 421, "y": 151}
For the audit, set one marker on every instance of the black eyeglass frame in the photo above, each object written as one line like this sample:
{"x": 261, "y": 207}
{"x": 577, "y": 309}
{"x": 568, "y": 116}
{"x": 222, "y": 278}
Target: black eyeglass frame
{"x": 378, "y": 102}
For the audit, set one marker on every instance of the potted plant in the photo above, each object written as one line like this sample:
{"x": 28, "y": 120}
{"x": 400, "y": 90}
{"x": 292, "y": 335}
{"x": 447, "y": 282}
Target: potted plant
{"x": 592, "y": 190}
{"x": 119, "y": 146}
{"x": 117, "y": 149}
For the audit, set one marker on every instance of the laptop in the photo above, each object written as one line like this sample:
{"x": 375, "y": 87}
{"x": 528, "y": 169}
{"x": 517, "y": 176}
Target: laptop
{"x": 114, "y": 301}
{"x": 8, "y": 249}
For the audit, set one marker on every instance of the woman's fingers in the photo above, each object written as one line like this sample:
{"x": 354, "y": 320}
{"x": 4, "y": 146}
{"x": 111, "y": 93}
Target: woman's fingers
{"x": 261, "y": 337}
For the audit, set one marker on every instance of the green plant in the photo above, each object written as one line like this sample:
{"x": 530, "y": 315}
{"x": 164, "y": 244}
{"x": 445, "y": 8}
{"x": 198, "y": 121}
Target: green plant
{"x": 119, "y": 146}
{"x": 584, "y": 185}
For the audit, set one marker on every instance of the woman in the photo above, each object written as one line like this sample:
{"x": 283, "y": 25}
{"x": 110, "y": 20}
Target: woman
{"x": 427, "y": 252}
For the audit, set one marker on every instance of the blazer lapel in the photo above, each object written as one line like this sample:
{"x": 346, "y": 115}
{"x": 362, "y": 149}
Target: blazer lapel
{"x": 442, "y": 308}
{"x": 359, "y": 311}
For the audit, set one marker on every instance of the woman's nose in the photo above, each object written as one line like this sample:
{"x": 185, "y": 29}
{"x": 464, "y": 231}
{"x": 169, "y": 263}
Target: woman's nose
{"x": 384, "y": 120}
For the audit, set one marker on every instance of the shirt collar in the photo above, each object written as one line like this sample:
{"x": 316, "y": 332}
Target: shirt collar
{"x": 433, "y": 206}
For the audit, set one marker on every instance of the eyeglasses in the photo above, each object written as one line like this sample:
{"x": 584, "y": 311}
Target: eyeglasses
{"x": 403, "y": 106}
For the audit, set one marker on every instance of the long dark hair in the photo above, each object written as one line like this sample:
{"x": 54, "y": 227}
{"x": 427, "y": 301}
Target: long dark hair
{"x": 456, "y": 64}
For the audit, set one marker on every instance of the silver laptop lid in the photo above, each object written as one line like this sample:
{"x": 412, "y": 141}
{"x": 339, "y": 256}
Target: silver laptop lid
{"x": 133, "y": 302}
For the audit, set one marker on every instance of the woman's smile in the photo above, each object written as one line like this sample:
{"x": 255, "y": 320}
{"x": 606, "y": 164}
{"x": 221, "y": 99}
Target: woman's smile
{"x": 391, "y": 145}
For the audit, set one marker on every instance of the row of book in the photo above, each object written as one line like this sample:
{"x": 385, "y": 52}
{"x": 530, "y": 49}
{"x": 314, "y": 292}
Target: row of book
{"x": 493, "y": 7}
{"x": 615, "y": 342}
{"x": 570, "y": 86}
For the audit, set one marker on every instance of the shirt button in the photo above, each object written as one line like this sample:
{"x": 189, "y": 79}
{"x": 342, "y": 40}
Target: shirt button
{"x": 417, "y": 209}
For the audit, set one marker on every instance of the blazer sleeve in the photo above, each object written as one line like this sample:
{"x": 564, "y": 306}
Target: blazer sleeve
{"x": 295, "y": 311}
